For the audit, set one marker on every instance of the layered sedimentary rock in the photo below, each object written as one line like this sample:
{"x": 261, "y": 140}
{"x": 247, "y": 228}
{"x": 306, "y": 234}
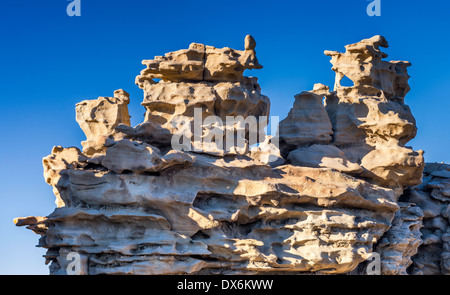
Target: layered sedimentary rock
{"x": 401, "y": 242}
{"x": 371, "y": 123}
{"x": 307, "y": 122}
{"x": 98, "y": 118}
{"x": 158, "y": 198}
{"x": 368, "y": 122}
{"x": 433, "y": 197}
{"x": 208, "y": 79}
{"x": 201, "y": 63}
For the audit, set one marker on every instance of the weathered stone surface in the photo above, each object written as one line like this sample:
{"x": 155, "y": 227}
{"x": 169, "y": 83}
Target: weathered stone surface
{"x": 201, "y": 63}
{"x": 307, "y": 123}
{"x": 366, "y": 125}
{"x": 61, "y": 159}
{"x": 167, "y": 102}
{"x": 401, "y": 241}
{"x": 267, "y": 152}
{"x": 371, "y": 123}
{"x": 323, "y": 156}
{"x": 254, "y": 220}
{"x": 132, "y": 203}
{"x": 126, "y": 155}
{"x": 362, "y": 63}
{"x": 431, "y": 196}
{"x": 210, "y": 80}
{"x": 34, "y": 223}
{"x": 148, "y": 132}
{"x": 98, "y": 118}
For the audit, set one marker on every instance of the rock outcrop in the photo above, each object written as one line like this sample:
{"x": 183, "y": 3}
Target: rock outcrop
{"x": 371, "y": 123}
{"x": 368, "y": 122}
{"x": 433, "y": 197}
{"x": 98, "y": 118}
{"x": 210, "y": 80}
{"x": 181, "y": 195}
{"x": 401, "y": 242}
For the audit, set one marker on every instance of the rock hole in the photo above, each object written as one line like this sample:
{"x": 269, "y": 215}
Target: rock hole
{"x": 346, "y": 82}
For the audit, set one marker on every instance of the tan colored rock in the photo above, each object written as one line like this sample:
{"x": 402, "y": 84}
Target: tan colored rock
{"x": 148, "y": 132}
{"x": 227, "y": 64}
{"x": 127, "y": 155}
{"x": 205, "y": 78}
{"x": 253, "y": 220}
{"x": 323, "y": 156}
{"x": 358, "y": 118}
{"x": 181, "y": 65}
{"x": 400, "y": 243}
{"x": 169, "y": 98}
{"x": 132, "y": 203}
{"x": 307, "y": 123}
{"x": 394, "y": 166}
{"x": 59, "y": 160}
{"x": 34, "y": 223}
{"x": 98, "y": 118}
{"x": 362, "y": 63}
{"x": 267, "y": 152}
{"x": 371, "y": 123}
{"x": 366, "y": 125}
{"x": 200, "y": 63}
{"x": 172, "y": 106}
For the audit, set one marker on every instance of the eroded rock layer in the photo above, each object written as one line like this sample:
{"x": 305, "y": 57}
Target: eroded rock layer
{"x": 132, "y": 203}
{"x": 433, "y": 197}
{"x": 367, "y": 124}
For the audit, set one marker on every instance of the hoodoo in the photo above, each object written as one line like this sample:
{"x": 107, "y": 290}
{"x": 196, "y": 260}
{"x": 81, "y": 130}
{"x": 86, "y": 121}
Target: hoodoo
{"x": 130, "y": 203}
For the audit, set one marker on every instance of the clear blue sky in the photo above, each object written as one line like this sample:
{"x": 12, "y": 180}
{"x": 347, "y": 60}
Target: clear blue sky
{"x": 50, "y": 61}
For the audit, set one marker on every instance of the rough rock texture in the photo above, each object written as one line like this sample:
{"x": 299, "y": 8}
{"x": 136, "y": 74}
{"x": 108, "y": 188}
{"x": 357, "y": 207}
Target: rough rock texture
{"x": 401, "y": 241}
{"x": 167, "y": 102}
{"x": 98, "y": 118}
{"x": 201, "y": 63}
{"x": 367, "y": 124}
{"x": 130, "y": 203}
{"x": 307, "y": 123}
{"x": 433, "y": 197}
{"x": 210, "y": 79}
{"x": 326, "y": 156}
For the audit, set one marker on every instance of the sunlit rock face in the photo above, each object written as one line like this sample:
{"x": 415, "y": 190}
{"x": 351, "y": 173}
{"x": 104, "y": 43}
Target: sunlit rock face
{"x": 364, "y": 128}
{"x": 320, "y": 202}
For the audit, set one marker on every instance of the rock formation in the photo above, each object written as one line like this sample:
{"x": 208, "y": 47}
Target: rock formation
{"x": 98, "y": 118}
{"x": 364, "y": 127}
{"x": 433, "y": 197}
{"x": 205, "y": 78}
{"x": 159, "y": 198}
{"x": 371, "y": 123}
{"x": 401, "y": 241}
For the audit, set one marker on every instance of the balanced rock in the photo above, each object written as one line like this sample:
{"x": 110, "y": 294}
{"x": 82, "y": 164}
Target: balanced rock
{"x": 211, "y": 81}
